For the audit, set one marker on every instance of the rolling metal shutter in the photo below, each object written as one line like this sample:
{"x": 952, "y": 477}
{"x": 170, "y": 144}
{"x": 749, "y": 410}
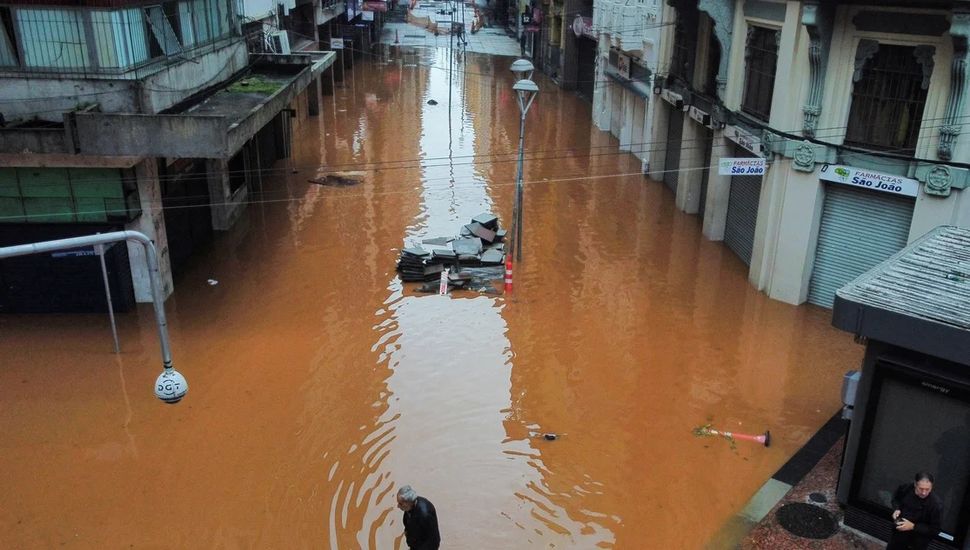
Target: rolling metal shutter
{"x": 675, "y": 131}
{"x": 859, "y": 229}
{"x": 742, "y": 213}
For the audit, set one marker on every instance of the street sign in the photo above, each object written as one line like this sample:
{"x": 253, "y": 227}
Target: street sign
{"x": 867, "y": 179}
{"x": 745, "y": 166}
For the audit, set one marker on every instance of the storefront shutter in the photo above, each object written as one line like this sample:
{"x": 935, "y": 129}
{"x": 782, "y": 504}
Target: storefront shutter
{"x": 675, "y": 132}
{"x": 742, "y": 213}
{"x": 859, "y": 229}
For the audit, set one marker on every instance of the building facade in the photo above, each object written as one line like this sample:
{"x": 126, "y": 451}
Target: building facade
{"x": 858, "y": 110}
{"x": 628, "y": 36}
{"x": 144, "y": 116}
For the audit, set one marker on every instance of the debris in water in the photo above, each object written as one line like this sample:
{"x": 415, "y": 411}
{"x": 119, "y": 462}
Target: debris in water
{"x": 475, "y": 258}
{"x": 550, "y": 436}
{"x": 213, "y": 282}
{"x": 705, "y": 430}
{"x": 432, "y": 102}
{"x": 340, "y": 179}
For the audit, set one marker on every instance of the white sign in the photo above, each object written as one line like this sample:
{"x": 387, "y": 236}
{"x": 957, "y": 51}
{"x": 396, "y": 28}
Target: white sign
{"x": 672, "y": 97}
{"x": 867, "y": 179}
{"x": 336, "y": 43}
{"x": 744, "y": 138}
{"x": 367, "y": 15}
{"x": 623, "y": 65}
{"x": 700, "y": 116}
{"x": 746, "y": 166}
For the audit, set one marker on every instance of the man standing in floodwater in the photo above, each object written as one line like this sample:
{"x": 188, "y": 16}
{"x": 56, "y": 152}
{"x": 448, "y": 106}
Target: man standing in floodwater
{"x": 420, "y": 520}
{"x": 917, "y": 513}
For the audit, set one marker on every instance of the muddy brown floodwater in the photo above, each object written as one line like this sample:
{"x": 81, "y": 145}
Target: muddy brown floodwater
{"x": 320, "y": 384}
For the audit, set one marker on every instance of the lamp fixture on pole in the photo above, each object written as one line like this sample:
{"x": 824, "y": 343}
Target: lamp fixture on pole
{"x": 522, "y": 68}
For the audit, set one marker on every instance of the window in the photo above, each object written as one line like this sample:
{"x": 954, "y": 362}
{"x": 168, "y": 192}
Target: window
{"x": 679, "y": 62}
{"x": 120, "y": 37}
{"x": 8, "y": 48}
{"x": 52, "y": 38}
{"x": 761, "y": 58}
{"x": 682, "y": 60}
{"x": 887, "y": 101}
{"x": 709, "y": 86}
{"x": 166, "y": 40}
{"x": 203, "y": 21}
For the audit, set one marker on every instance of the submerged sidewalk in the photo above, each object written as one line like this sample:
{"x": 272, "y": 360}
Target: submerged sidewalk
{"x": 797, "y": 508}
{"x": 491, "y": 40}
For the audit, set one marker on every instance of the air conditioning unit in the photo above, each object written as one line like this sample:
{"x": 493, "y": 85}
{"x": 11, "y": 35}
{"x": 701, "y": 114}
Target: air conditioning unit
{"x": 280, "y": 42}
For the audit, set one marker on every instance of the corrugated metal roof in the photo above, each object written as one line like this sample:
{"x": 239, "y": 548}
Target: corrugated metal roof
{"x": 927, "y": 280}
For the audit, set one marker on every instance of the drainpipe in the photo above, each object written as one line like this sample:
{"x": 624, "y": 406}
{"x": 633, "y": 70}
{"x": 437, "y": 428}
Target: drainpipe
{"x": 170, "y": 386}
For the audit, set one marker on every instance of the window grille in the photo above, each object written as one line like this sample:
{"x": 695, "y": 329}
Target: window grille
{"x": 888, "y": 101}
{"x": 761, "y": 57}
{"x": 680, "y": 61}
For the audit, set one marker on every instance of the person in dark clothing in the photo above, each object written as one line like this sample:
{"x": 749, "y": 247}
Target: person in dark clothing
{"x": 917, "y": 513}
{"x": 420, "y": 520}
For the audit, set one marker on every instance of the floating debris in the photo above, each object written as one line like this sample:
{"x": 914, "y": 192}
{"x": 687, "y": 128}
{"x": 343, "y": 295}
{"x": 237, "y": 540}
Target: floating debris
{"x": 706, "y": 430}
{"x": 550, "y": 436}
{"x": 432, "y": 102}
{"x": 340, "y": 179}
{"x": 474, "y": 258}
{"x": 212, "y": 282}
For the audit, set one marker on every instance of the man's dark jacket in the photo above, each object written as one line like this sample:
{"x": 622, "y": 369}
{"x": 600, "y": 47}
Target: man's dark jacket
{"x": 421, "y": 526}
{"x": 925, "y": 513}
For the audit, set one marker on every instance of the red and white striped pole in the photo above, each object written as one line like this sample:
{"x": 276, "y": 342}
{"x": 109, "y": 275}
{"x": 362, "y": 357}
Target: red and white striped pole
{"x": 508, "y": 274}
{"x": 764, "y": 439}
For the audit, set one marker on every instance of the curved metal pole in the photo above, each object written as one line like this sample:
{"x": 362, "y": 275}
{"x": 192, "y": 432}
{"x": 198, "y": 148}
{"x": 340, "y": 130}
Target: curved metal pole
{"x": 105, "y": 238}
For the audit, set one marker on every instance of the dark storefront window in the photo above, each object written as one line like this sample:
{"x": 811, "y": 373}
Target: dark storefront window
{"x": 680, "y": 62}
{"x": 888, "y": 101}
{"x": 761, "y": 58}
{"x": 713, "y": 64}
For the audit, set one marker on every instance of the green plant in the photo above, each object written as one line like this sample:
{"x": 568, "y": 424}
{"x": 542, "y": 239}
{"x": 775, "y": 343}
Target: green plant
{"x": 254, "y": 85}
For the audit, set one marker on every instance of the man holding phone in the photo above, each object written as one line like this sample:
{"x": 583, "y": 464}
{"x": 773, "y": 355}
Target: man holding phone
{"x": 917, "y": 513}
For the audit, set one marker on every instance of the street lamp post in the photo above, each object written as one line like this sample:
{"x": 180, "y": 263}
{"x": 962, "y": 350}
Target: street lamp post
{"x": 525, "y": 90}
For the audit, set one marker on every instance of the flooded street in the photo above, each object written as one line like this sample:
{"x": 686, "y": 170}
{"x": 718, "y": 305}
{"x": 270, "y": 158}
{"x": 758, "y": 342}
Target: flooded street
{"x": 320, "y": 383}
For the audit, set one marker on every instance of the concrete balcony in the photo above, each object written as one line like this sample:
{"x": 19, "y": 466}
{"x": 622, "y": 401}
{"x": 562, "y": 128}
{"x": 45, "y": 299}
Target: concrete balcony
{"x": 214, "y": 124}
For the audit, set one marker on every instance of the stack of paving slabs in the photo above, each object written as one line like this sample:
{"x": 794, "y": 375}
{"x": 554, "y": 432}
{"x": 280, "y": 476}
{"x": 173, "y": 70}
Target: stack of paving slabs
{"x": 479, "y": 244}
{"x": 414, "y": 266}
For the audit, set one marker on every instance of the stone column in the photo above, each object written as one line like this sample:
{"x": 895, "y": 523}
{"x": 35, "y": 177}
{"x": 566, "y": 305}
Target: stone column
{"x": 718, "y": 192}
{"x": 656, "y": 149}
{"x": 152, "y": 224}
{"x": 226, "y": 206}
{"x": 626, "y": 126}
{"x": 691, "y": 166}
{"x": 794, "y": 237}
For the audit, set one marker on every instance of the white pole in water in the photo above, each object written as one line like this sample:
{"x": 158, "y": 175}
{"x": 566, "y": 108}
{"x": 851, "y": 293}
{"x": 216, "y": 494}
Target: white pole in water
{"x": 99, "y": 250}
